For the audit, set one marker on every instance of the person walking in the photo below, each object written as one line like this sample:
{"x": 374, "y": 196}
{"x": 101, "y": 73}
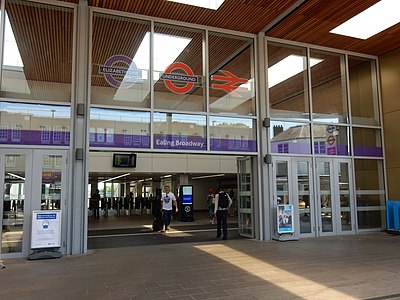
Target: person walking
{"x": 95, "y": 203}
{"x": 222, "y": 204}
{"x": 211, "y": 205}
{"x": 168, "y": 201}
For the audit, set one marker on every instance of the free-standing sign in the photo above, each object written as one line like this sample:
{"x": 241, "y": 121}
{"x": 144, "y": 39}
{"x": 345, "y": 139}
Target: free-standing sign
{"x": 285, "y": 218}
{"x": 186, "y": 203}
{"x": 46, "y": 229}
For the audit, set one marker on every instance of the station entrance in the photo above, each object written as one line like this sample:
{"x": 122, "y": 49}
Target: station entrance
{"x": 127, "y": 196}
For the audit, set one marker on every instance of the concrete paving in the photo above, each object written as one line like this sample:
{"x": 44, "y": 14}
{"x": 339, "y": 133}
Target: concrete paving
{"x": 364, "y": 266}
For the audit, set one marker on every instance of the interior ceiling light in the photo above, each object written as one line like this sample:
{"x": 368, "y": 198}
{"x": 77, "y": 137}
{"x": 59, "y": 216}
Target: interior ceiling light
{"x": 371, "y": 21}
{"x": 208, "y": 176}
{"x": 211, "y": 4}
{"x": 113, "y": 178}
{"x": 288, "y": 67}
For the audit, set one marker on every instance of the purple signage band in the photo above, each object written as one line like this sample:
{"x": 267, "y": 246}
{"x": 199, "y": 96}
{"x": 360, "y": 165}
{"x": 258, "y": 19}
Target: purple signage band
{"x": 34, "y": 137}
{"x": 169, "y": 141}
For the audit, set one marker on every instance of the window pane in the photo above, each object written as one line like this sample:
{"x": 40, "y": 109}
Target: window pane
{"x": 51, "y": 182}
{"x": 179, "y": 131}
{"x": 233, "y": 134}
{"x": 287, "y": 82}
{"x": 119, "y": 128}
{"x": 328, "y": 84}
{"x": 13, "y": 203}
{"x": 32, "y": 69}
{"x": 363, "y": 91}
{"x": 120, "y": 61}
{"x": 231, "y": 74}
{"x": 370, "y": 193}
{"x": 367, "y": 142}
{"x": 34, "y": 124}
{"x": 290, "y": 137}
{"x": 331, "y": 140}
{"x": 178, "y": 68}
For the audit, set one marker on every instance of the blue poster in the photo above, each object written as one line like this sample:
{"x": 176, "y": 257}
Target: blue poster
{"x": 285, "y": 218}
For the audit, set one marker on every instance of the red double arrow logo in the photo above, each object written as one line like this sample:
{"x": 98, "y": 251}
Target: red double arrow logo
{"x": 230, "y": 81}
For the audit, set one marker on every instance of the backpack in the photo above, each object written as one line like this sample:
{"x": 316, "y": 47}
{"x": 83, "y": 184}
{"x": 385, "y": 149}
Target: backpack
{"x": 223, "y": 200}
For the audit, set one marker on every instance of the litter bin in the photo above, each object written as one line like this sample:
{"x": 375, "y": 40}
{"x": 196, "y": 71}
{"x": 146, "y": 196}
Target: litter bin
{"x": 393, "y": 216}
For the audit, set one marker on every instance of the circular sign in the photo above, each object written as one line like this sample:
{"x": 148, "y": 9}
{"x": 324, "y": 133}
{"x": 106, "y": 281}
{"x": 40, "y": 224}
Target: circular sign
{"x": 331, "y": 128}
{"x": 331, "y": 140}
{"x": 119, "y": 77}
{"x": 179, "y": 89}
{"x": 187, "y": 209}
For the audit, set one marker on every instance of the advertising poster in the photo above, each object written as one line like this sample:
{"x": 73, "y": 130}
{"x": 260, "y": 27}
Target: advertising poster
{"x": 285, "y": 218}
{"x": 187, "y": 194}
{"x": 46, "y": 229}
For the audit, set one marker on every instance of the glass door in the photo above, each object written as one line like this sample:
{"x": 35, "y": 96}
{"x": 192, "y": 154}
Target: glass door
{"x": 245, "y": 197}
{"x": 15, "y": 192}
{"x": 334, "y": 194}
{"x": 292, "y": 185}
{"x": 50, "y": 185}
{"x": 29, "y": 180}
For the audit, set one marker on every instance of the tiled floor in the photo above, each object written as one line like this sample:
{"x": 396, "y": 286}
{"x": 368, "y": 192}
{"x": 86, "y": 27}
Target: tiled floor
{"x": 365, "y": 266}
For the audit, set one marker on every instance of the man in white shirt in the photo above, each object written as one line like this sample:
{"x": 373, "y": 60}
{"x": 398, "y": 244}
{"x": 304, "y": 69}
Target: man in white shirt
{"x": 168, "y": 202}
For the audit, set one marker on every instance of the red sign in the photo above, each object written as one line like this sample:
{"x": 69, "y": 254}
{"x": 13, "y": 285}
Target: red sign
{"x": 169, "y": 76}
{"x": 229, "y": 86}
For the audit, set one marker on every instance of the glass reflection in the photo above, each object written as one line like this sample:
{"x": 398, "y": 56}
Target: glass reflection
{"x": 119, "y": 128}
{"x": 120, "y": 71}
{"x": 363, "y": 91}
{"x": 232, "y": 134}
{"x": 370, "y": 193}
{"x": 331, "y": 140}
{"x": 288, "y": 82}
{"x": 231, "y": 74}
{"x": 178, "y": 68}
{"x": 328, "y": 84}
{"x": 34, "y": 124}
{"x": 303, "y": 183}
{"x": 37, "y": 70}
{"x": 51, "y": 182}
{"x": 367, "y": 142}
{"x": 344, "y": 197}
{"x": 325, "y": 196}
{"x": 13, "y": 203}
{"x": 290, "y": 137}
{"x": 179, "y": 131}
{"x": 282, "y": 182}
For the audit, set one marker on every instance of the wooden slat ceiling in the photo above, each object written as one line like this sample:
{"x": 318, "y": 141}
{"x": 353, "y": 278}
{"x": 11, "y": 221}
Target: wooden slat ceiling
{"x": 43, "y": 34}
{"x": 308, "y": 23}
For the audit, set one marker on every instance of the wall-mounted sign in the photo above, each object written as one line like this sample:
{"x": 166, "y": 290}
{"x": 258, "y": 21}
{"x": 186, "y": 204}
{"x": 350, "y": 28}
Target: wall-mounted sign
{"x": 230, "y": 82}
{"x": 46, "y": 229}
{"x": 169, "y": 77}
{"x": 117, "y": 76}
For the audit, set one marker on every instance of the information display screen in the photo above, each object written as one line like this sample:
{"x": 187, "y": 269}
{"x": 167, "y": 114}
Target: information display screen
{"x": 187, "y": 194}
{"x": 124, "y": 160}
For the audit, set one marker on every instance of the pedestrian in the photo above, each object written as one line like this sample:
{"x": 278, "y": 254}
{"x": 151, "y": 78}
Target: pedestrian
{"x": 168, "y": 202}
{"x": 211, "y": 205}
{"x": 222, "y": 204}
{"x": 95, "y": 203}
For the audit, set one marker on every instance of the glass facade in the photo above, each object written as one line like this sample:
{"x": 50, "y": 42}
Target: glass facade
{"x": 120, "y": 75}
{"x": 33, "y": 68}
{"x": 164, "y": 88}
{"x": 339, "y": 117}
{"x": 186, "y": 114}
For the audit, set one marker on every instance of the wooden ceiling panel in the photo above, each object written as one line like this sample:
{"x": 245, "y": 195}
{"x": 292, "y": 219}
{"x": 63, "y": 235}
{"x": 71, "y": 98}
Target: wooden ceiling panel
{"x": 241, "y": 15}
{"x": 310, "y": 22}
